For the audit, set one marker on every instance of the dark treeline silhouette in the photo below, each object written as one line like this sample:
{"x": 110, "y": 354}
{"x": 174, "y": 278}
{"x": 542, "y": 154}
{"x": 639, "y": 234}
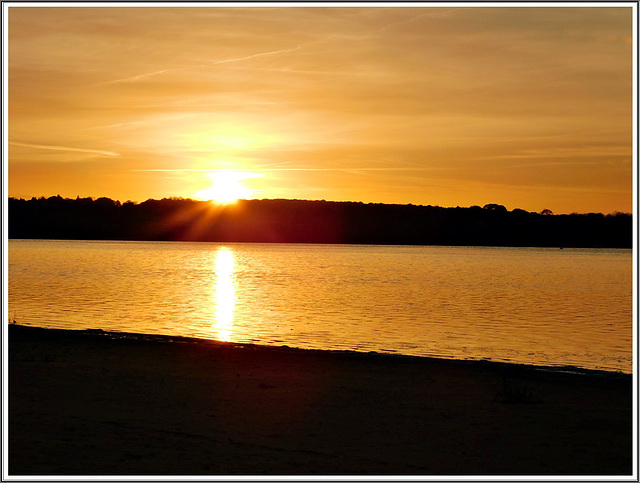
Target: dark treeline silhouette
{"x": 296, "y": 221}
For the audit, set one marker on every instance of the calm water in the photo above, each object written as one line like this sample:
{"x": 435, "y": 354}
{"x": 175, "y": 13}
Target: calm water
{"x": 525, "y": 305}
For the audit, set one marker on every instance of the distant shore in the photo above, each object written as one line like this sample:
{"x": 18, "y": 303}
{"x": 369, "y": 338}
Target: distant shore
{"x": 302, "y": 221}
{"x": 96, "y": 403}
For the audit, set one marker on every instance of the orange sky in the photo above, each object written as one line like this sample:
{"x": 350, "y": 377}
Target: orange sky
{"x": 529, "y": 107}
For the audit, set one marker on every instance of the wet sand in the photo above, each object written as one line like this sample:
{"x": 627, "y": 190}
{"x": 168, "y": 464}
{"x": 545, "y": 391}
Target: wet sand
{"x": 95, "y": 404}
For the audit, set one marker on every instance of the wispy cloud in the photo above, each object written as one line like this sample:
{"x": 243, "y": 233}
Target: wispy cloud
{"x": 205, "y": 170}
{"x": 53, "y": 147}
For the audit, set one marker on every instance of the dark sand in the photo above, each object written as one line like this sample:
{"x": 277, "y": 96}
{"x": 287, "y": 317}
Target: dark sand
{"x": 88, "y": 404}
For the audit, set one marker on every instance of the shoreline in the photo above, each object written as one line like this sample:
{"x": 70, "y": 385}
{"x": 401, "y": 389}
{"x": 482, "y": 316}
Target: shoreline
{"x": 113, "y": 403}
{"x": 165, "y": 338}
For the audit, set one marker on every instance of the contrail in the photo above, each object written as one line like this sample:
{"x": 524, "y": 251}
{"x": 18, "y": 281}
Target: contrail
{"x": 64, "y": 148}
{"x": 261, "y": 54}
{"x": 217, "y": 62}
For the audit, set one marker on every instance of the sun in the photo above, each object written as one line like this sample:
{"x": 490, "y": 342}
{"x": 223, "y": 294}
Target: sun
{"x": 224, "y": 192}
{"x": 226, "y": 187}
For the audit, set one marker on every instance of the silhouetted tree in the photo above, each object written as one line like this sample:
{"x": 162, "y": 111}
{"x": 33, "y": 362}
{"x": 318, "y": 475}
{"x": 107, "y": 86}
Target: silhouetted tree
{"x": 495, "y": 207}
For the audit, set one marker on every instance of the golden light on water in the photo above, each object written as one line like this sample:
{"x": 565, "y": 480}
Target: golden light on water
{"x": 225, "y": 293}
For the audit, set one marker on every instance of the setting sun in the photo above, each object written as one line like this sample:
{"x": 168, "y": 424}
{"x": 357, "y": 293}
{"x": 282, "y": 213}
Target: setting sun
{"x": 226, "y": 187}
{"x": 224, "y": 192}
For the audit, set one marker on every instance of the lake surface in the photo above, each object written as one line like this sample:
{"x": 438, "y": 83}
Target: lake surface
{"x": 542, "y": 306}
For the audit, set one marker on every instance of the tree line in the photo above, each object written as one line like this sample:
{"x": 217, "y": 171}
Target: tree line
{"x": 301, "y": 221}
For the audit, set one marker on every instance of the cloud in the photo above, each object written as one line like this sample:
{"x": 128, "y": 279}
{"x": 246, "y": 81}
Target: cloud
{"x": 223, "y": 170}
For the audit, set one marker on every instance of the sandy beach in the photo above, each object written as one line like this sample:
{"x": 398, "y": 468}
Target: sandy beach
{"x": 96, "y": 403}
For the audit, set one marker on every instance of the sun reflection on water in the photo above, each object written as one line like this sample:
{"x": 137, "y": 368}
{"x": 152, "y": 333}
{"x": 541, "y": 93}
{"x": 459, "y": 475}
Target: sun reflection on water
{"x": 225, "y": 293}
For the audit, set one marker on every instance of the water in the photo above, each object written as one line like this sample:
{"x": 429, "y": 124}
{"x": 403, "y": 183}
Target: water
{"x": 525, "y": 305}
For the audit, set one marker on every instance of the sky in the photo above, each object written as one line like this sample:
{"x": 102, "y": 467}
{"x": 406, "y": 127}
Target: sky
{"x": 525, "y": 106}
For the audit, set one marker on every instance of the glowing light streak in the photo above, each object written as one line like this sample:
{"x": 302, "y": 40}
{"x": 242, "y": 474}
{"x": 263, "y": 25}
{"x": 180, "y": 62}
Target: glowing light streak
{"x": 225, "y": 293}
